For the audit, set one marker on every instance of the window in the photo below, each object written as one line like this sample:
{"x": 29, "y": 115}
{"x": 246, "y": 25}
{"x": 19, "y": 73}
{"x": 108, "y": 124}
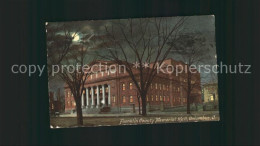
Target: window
{"x": 114, "y": 99}
{"x": 95, "y": 91}
{"x": 160, "y": 87}
{"x": 123, "y": 86}
{"x": 178, "y": 89}
{"x": 164, "y": 99}
{"x": 151, "y": 86}
{"x": 167, "y": 87}
{"x": 168, "y": 98}
{"x": 155, "y": 85}
{"x": 131, "y": 99}
{"x": 161, "y": 98}
{"x": 96, "y": 75}
{"x": 124, "y": 100}
{"x": 100, "y": 91}
{"x": 130, "y": 86}
{"x": 147, "y": 98}
{"x": 102, "y": 73}
{"x": 156, "y": 98}
{"x": 106, "y": 89}
{"x": 163, "y": 87}
{"x": 74, "y": 103}
{"x": 91, "y": 76}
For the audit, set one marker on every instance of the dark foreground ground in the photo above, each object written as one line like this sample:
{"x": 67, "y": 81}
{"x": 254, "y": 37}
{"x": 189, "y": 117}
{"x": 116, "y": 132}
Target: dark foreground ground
{"x": 66, "y": 121}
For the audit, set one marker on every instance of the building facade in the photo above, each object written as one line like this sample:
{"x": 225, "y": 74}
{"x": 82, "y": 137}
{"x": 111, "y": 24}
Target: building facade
{"x": 210, "y": 92}
{"x": 55, "y": 103}
{"x": 116, "y": 89}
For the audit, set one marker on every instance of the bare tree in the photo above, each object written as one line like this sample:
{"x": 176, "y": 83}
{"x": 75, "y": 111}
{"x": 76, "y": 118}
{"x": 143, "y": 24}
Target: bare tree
{"x": 64, "y": 51}
{"x": 192, "y": 49}
{"x": 141, "y": 41}
{"x": 59, "y": 40}
{"x": 76, "y": 77}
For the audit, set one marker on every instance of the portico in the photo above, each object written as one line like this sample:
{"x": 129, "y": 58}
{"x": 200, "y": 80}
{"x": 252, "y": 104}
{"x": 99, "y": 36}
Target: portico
{"x": 96, "y": 96}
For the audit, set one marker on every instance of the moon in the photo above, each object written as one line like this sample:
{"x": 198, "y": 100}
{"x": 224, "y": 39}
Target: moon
{"x": 76, "y": 38}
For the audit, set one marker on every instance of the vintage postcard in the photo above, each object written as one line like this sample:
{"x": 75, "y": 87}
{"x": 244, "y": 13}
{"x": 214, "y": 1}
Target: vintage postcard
{"x": 132, "y": 71}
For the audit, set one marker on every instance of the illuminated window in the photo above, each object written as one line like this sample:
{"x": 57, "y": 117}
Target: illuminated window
{"x": 211, "y": 98}
{"x": 161, "y": 99}
{"x": 124, "y": 100}
{"x": 147, "y": 98}
{"x": 178, "y": 89}
{"x": 102, "y": 73}
{"x": 123, "y": 86}
{"x": 156, "y": 98}
{"x": 155, "y": 85}
{"x": 131, "y": 99}
{"x": 152, "y": 97}
{"x": 106, "y": 89}
{"x": 74, "y": 103}
{"x": 114, "y": 99}
{"x": 164, "y": 99}
{"x": 130, "y": 86}
{"x": 52, "y": 106}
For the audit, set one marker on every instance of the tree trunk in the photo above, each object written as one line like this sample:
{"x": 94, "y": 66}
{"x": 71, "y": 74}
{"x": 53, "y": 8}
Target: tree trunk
{"x": 143, "y": 105}
{"x": 79, "y": 113}
{"x": 188, "y": 104}
{"x": 188, "y": 92}
{"x": 139, "y": 107}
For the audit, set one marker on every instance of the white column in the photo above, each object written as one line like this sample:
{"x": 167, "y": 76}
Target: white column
{"x": 82, "y": 100}
{"x": 98, "y": 100}
{"x": 109, "y": 95}
{"x": 92, "y": 97}
{"x": 87, "y": 97}
{"x": 103, "y": 94}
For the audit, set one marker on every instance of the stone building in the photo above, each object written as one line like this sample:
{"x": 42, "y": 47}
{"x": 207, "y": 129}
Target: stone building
{"x": 115, "y": 89}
